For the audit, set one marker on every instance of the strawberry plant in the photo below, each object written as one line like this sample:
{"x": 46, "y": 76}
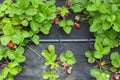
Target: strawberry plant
{"x": 66, "y": 59}
{"x": 66, "y": 25}
{"x": 63, "y": 11}
{"x": 50, "y": 75}
{"x": 20, "y": 22}
{"x": 103, "y": 17}
{"x": 10, "y": 62}
{"x": 50, "y": 56}
{"x": 24, "y": 19}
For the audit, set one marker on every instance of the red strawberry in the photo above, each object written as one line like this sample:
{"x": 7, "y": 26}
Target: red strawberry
{"x": 78, "y": 26}
{"x": 10, "y": 45}
{"x": 57, "y": 20}
{"x": 115, "y": 77}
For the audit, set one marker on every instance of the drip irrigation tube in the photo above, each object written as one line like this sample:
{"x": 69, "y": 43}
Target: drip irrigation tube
{"x": 65, "y": 40}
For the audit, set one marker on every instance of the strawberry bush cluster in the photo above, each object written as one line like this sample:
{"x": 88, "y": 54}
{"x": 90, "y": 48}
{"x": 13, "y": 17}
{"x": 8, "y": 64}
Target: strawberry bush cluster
{"x": 24, "y": 19}
{"x": 67, "y": 60}
{"x": 20, "y": 22}
{"x": 103, "y": 17}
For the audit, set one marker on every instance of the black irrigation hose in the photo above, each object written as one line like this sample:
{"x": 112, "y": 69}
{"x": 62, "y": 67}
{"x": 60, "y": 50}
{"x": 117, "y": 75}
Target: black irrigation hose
{"x": 66, "y": 40}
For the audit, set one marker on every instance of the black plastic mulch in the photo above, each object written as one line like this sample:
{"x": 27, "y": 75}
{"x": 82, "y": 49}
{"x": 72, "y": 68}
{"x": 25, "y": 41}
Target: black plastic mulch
{"x": 34, "y": 65}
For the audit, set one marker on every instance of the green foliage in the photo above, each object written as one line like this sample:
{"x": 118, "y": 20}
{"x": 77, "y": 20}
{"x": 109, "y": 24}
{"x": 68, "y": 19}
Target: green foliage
{"x": 100, "y": 75}
{"x": 78, "y": 5}
{"x": 90, "y": 56}
{"x": 68, "y": 57}
{"x": 50, "y": 75}
{"x": 55, "y": 64}
{"x": 35, "y": 15}
{"x": 13, "y": 67}
{"x": 63, "y": 11}
{"x": 115, "y": 59}
{"x": 103, "y": 16}
{"x": 66, "y": 25}
{"x": 50, "y": 56}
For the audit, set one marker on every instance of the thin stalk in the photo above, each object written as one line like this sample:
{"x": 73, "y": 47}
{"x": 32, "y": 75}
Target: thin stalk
{"x": 36, "y": 52}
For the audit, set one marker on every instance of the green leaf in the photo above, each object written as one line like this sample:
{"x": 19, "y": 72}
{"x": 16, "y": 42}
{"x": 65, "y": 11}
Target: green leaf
{"x": 95, "y": 72}
{"x": 45, "y": 54}
{"x": 91, "y": 7}
{"x": 94, "y": 28}
{"x": 17, "y": 37}
{"x": 91, "y": 60}
{"x": 36, "y": 3}
{"x": 4, "y": 73}
{"x": 12, "y": 64}
{"x": 64, "y": 11}
{"x": 67, "y": 29}
{"x": 6, "y": 20}
{"x": 98, "y": 45}
{"x": 62, "y": 23}
{"x": 88, "y": 54}
{"x": 68, "y": 57}
{"x": 10, "y": 78}
{"x": 116, "y": 26}
{"x": 100, "y": 75}
{"x": 106, "y": 41}
{"x": 20, "y": 51}
{"x": 25, "y": 23}
{"x": 5, "y": 39}
{"x": 69, "y": 22}
{"x": 8, "y": 29}
{"x": 63, "y": 58}
{"x": 106, "y": 50}
{"x": 106, "y": 25}
{"x": 39, "y": 17}
{"x": 113, "y": 43}
{"x": 77, "y": 7}
{"x": 31, "y": 11}
{"x": 98, "y": 54}
{"x": 69, "y": 54}
{"x": 111, "y": 18}
{"x": 48, "y": 63}
{"x": 34, "y": 25}
{"x": 23, "y": 4}
{"x": 35, "y": 39}
{"x": 115, "y": 57}
{"x": 45, "y": 75}
{"x": 25, "y": 34}
{"x": 111, "y": 34}
{"x": 45, "y": 27}
{"x": 11, "y": 54}
{"x": 20, "y": 59}
{"x": 3, "y": 7}
{"x": 71, "y": 61}
{"x": 102, "y": 8}
{"x": 51, "y": 49}
{"x": 15, "y": 70}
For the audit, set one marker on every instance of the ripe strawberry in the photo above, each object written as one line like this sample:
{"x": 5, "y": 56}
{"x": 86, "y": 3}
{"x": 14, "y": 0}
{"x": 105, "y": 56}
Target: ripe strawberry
{"x": 57, "y": 20}
{"x": 10, "y": 45}
{"x": 78, "y": 26}
{"x": 115, "y": 77}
